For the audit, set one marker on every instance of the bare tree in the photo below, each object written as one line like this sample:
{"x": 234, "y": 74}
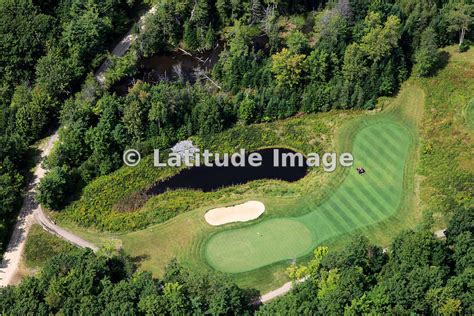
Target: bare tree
{"x": 344, "y": 9}
{"x": 200, "y": 74}
{"x": 178, "y": 71}
{"x": 269, "y": 19}
{"x": 256, "y": 11}
{"x": 460, "y": 18}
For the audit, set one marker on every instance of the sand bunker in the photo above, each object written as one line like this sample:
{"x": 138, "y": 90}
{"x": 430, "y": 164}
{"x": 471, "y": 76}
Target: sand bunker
{"x": 238, "y": 213}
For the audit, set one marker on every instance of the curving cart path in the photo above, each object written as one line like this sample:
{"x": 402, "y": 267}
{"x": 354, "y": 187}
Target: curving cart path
{"x": 31, "y": 211}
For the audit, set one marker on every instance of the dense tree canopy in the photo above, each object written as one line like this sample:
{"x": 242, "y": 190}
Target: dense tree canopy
{"x": 419, "y": 274}
{"x": 81, "y": 282}
{"x": 24, "y": 32}
{"x": 280, "y": 57}
{"x": 46, "y": 48}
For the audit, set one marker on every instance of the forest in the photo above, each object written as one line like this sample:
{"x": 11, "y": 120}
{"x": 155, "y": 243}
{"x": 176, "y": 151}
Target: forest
{"x": 47, "y": 48}
{"x": 422, "y": 275}
{"x": 317, "y": 56}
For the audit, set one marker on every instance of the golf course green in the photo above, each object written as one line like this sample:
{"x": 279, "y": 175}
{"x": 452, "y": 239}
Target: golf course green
{"x": 381, "y": 147}
{"x": 320, "y": 209}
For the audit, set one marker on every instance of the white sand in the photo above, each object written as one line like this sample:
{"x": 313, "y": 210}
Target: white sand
{"x": 238, "y": 213}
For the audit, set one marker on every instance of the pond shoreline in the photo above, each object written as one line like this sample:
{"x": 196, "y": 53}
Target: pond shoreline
{"x": 209, "y": 179}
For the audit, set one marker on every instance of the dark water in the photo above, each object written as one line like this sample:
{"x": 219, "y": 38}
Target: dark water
{"x": 213, "y": 178}
{"x": 171, "y": 66}
{"x": 178, "y": 64}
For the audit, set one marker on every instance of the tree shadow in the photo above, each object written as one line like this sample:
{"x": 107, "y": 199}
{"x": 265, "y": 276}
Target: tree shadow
{"x": 27, "y": 203}
{"x": 17, "y": 232}
{"x": 137, "y": 260}
{"x": 444, "y": 57}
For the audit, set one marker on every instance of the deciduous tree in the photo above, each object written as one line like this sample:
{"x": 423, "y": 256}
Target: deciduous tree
{"x": 288, "y": 67}
{"x": 460, "y": 19}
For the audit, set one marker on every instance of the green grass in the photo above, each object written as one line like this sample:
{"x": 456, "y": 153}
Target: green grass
{"x": 470, "y": 115}
{"x": 381, "y": 147}
{"x": 245, "y": 249}
{"x": 41, "y": 246}
{"x": 186, "y": 235}
{"x": 437, "y": 171}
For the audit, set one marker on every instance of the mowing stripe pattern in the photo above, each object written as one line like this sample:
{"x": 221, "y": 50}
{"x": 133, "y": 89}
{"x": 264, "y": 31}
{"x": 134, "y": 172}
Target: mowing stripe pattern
{"x": 359, "y": 201}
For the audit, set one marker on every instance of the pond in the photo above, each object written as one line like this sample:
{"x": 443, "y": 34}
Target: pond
{"x": 208, "y": 179}
{"x": 179, "y": 64}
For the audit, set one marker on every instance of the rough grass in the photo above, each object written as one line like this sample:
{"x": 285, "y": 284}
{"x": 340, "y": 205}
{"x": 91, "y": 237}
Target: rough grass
{"x": 102, "y": 202}
{"x": 442, "y": 174}
{"x": 447, "y": 149}
{"x": 41, "y": 246}
{"x": 382, "y": 148}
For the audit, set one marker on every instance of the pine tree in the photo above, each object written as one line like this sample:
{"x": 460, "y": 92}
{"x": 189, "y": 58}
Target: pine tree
{"x": 209, "y": 38}
{"x": 189, "y": 37}
{"x": 427, "y": 56}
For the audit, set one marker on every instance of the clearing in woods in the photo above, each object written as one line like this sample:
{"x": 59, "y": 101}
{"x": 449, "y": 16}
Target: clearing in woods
{"x": 377, "y": 204}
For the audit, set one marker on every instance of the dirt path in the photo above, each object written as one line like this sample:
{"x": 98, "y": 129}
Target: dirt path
{"x": 54, "y": 229}
{"x": 282, "y": 290}
{"x": 121, "y": 48}
{"x": 31, "y": 211}
{"x": 285, "y": 288}
{"x": 12, "y": 256}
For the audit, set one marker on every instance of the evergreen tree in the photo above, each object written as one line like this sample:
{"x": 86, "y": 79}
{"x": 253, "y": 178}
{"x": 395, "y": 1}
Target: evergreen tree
{"x": 460, "y": 18}
{"x": 427, "y": 56}
{"x": 210, "y": 38}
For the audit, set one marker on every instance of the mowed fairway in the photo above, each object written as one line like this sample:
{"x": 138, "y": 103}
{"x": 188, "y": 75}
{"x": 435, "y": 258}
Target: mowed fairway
{"x": 381, "y": 147}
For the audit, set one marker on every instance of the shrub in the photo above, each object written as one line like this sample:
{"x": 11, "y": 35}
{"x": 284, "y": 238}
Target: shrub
{"x": 53, "y": 188}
